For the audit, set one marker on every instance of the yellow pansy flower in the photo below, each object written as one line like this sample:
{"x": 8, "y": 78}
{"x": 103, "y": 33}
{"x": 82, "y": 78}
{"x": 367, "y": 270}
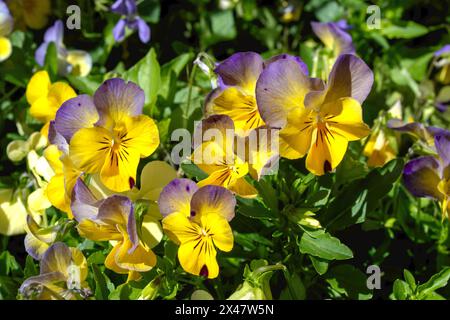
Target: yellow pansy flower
{"x": 30, "y": 13}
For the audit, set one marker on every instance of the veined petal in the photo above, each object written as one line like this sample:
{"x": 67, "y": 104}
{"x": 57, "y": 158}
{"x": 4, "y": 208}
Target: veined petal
{"x": 38, "y": 86}
{"x": 244, "y": 189}
{"x": 350, "y": 77}
{"x": 442, "y": 143}
{"x": 176, "y": 197}
{"x": 213, "y": 200}
{"x": 54, "y": 137}
{"x": 180, "y": 229}
{"x": 199, "y": 257}
{"x": 35, "y": 247}
{"x": 326, "y": 152}
{"x": 115, "y": 209}
{"x": 141, "y": 135}
{"x": 134, "y": 258}
{"x": 421, "y": 177}
{"x": 295, "y": 137}
{"x": 296, "y": 59}
{"x": 220, "y": 231}
{"x": 240, "y": 107}
{"x": 344, "y": 117}
{"x": 84, "y": 204}
{"x": 75, "y": 114}
{"x": 89, "y": 148}
{"x": 280, "y": 89}
{"x": 242, "y": 69}
{"x": 98, "y": 231}
{"x": 56, "y": 259}
{"x": 116, "y": 99}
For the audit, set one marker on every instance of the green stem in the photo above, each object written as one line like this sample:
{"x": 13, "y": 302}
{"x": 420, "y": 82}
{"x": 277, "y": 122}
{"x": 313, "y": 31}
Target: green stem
{"x": 188, "y": 105}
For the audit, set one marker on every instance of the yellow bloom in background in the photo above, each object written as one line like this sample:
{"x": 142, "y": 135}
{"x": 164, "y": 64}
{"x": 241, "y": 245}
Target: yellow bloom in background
{"x": 218, "y": 159}
{"x": 13, "y": 213}
{"x": 30, "y": 13}
{"x": 45, "y": 97}
{"x": 197, "y": 220}
{"x": 6, "y": 27}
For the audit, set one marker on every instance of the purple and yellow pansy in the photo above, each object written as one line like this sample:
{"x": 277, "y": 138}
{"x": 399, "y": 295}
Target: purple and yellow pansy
{"x": 197, "y": 219}
{"x": 315, "y": 118}
{"x": 107, "y": 133}
{"x": 429, "y": 176}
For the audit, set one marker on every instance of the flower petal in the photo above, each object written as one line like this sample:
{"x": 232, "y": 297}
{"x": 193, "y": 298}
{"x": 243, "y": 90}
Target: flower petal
{"x": 119, "y": 30}
{"x": 5, "y": 48}
{"x": 84, "y": 204}
{"x": 442, "y": 143}
{"x": 242, "y": 69}
{"x": 326, "y": 152}
{"x": 56, "y": 258}
{"x": 154, "y": 177}
{"x": 421, "y": 177}
{"x": 116, "y": 98}
{"x": 75, "y": 114}
{"x": 280, "y": 89}
{"x": 38, "y": 86}
{"x": 298, "y": 60}
{"x": 350, "y": 77}
{"x": 199, "y": 258}
{"x": 333, "y": 37}
{"x": 143, "y": 30}
{"x": 213, "y": 200}
{"x": 176, "y": 197}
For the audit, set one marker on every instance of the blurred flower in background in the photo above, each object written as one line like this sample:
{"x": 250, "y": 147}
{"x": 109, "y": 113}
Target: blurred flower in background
{"x": 131, "y": 20}
{"x": 30, "y": 13}
{"x": 75, "y": 62}
{"x": 6, "y": 27}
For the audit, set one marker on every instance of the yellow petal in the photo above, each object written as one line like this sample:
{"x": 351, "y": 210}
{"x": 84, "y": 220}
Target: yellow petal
{"x": 243, "y": 188}
{"x": 5, "y": 48}
{"x": 98, "y": 232}
{"x": 142, "y": 135}
{"x": 17, "y": 150}
{"x": 89, "y": 148}
{"x": 141, "y": 259}
{"x": 179, "y": 229}
{"x": 345, "y": 118}
{"x": 326, "y": 152}
{"x": 154, "y": 176}
{"x": 199, "y": 257}
{"x": 13, "y": 213}
{"x": 38, "y": 201}
{"x": 81, "y": 62}
{"x": 220, "y": 229}
{"x": 151, "y": 231}
{"x": 38, "y": 86}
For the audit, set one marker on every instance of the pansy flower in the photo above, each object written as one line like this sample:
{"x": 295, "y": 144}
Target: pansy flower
{"x": 315, "y": 118}
{"x": 46, "y": 97}
{"x": 382, "y": 145}
{"x": 39, "y": 238}
{"x": 62, "y": 276}
{"x": 334, "y": 36}
{"x": 217, "y": 157}
{"x": 6, "y": 26}
{"x": 197, "y": 220}
{"x": 429, "y": 176}
{"x": 112, "y": 219}
{"x": 31, "y": 13}
{"x": 13, "y": 213}
{"x": 442, "y": 61}
{"x": 75, "y": 62}
{"x": 235, "y": 95}
{"x": 108, "y": 133}
{"x": 131, "y": 20}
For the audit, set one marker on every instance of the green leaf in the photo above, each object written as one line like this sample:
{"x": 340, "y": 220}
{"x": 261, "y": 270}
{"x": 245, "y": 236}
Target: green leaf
{"x": 349, "y": 282}
{"x": 323, "y": 245}
{"x": 319, "y": 264}
{"x": 8, "y": 265}
{"x": 437, "y": 281}
{"x": 171, "y": 70}
{"x": 51, "y": 60}
{"x": 30, "y": 269}
{"x": 402, "y": 291}
{"x": 146, "y": 74}
{"x": 404, "y": 30}
{"x": 409, "y": 279}
{"x": 101, "y": 288}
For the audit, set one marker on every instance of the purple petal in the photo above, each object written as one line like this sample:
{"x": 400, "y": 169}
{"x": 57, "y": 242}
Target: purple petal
{"x": 421, "y": 177}
{"x": 442, "y": 143}
{"x": 132, "y": 230}
{"x": 176, "y": 197}
{"x": 144, "y": 30}
{"x": 116, "y": 98}
{"x": 241, "y": 69}
{"x": 119, "y": 30}
{"x": 40, "y": 54}
{"x": 342, "y": 24}
{"x": 42, "y": 279}
{"x": 56, "y": 259}
{"x": 334, "y": 37}
{"x": 6, "y": 20}
{"x": 54, "y": 137}
{"x": 281, "y": 88}
{"x": 213, "y": 200}
{"x": 124, "y": 7}
{"x": 350, "y": 77}
{"x": 75, "y": 114}
{"x": 84, "y": 204}
{"x": 55, "y": 33}
{"x": 300, "y": 62}
{"x": 414, "y": 128}
{"x": 441, "y": 106}
{"x": 444, "y": 50}
{"x": 115, "y": 209}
